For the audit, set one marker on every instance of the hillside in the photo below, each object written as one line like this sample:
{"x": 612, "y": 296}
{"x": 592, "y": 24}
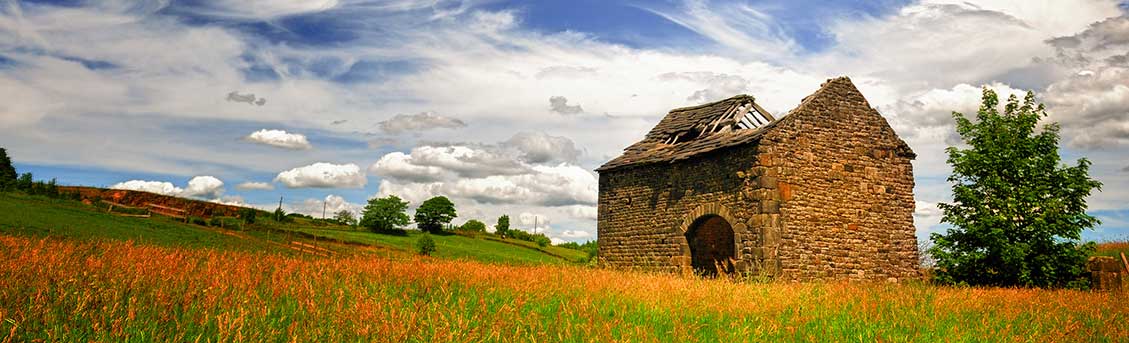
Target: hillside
{"x": 36, "y": 216}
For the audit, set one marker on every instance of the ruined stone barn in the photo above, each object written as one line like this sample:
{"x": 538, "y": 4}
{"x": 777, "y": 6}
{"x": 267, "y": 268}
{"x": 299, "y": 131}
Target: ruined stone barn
{"x": 826, "y": 191}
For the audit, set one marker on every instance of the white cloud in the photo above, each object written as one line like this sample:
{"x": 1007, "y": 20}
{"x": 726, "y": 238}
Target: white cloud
{"x": 583, "y": 212}
{"x": 323, "y": 175}
{"x": 576, "y": 234}
{"x": 279, "y": 138}
{"x": 204, "y": 187}
{"x": 331, "y": 204}
{"x": 262, "y": 9}
{"x": 254, "y": 186}
{"x": 159, "y": 187}
{"x": 540, "y": 147}
{"x": 419, "y": 122}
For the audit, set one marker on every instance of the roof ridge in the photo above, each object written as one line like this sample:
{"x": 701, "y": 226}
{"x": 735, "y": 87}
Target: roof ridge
{"x": 708, "y": 104}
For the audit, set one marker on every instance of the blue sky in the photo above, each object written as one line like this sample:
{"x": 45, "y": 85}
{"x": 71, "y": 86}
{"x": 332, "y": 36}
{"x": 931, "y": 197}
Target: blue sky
{"x": 337, "y": 101}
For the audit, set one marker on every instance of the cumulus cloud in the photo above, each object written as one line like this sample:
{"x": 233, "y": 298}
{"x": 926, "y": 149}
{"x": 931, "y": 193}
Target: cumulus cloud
{"x": 929, "y": 114}
{"x": 331, "y": 204}
{"x": 280, "y": 138}
{"x": 323, "y": 175}
{"x": 560, "y": 105}
{"x": 204, "y": 187}
{"x": 433, "y": 163}
{"x": 419, "y": 122}
{"x": 540, "y": 147}
{"x": 159, "y": 187}
{"x": 254, "y": 186}
{"x": 1093, "y": 104}
{"x": 583, "y": 212}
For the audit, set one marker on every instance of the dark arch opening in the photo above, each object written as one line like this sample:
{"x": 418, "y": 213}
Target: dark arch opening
{"x": 711, "y": 245}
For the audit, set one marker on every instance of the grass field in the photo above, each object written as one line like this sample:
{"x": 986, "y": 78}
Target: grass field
{"x": 449, "y": 246}
{"x": 41, "y": 216}
{"x": 63, "y": 290}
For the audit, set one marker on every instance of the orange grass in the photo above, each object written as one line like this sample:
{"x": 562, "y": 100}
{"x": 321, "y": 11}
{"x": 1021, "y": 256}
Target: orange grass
{"x": 58, "y": 290}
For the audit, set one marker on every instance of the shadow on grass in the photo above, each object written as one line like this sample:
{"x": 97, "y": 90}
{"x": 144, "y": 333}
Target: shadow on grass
{"x": 393, "y": 232}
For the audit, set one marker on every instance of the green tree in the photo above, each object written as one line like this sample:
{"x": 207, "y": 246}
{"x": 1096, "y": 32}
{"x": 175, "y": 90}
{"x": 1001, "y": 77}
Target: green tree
{"x": 1017, "y": 212}
{"x": 502, "y": 228}
{"x": 248, "y": 215}
{"x": 7, "y": 171}
{"x": 25, "y": 183}
{"x": 385, "y": 214}
{"x": 473, "y": 225}
{"x": 434, "y": 213}
{"x": 345, "y": 217}
{"x": 425, "y": 245}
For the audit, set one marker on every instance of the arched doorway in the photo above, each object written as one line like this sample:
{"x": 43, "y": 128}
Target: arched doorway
{"x": 711, "y": 245}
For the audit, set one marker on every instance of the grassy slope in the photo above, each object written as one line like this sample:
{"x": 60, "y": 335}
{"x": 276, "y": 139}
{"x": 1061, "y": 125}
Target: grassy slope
{"x": 447, "y": 246}
{"x": 38, "y": 216}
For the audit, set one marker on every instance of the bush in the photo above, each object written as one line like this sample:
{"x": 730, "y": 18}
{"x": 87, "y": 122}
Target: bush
{"x": 473, "y": 225}
{"x": 425, "y": 244}
{"x": 215, "y": 221}
{"x": 197, "y": 220}
{"x": 541, "y": 240}
{"x": 248, "y": 215}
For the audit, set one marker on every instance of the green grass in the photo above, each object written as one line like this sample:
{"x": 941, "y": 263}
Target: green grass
{"x": 36, "y": 216}
{"x": 569, "y": 254}
{"x": 447, "y": 246}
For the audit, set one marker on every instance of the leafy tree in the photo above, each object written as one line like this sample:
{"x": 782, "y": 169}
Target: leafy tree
{"x": 345, "y": 217}
{"x": 248, "y": 215}
{"x": 7, "y": 171}
{"x": 1017, "y": 212}
{"x": 502, "y": 228}
{"x": 541, "y": 240}
{"x": 24, "y": 182}
{"x": 434, "y": 213}
{"x": 473, "y": 225}
{"x": 385, "y": 214}
{"x": 425, "y": 244}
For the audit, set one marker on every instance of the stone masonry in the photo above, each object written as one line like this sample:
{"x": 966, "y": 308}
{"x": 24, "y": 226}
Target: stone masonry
{"x": 826, "y": 192}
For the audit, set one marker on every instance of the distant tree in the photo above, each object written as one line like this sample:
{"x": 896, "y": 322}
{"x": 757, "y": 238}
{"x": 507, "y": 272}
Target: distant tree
{"x": 385, "y": 214}
{"x": 473, "y": 225}
{"x": 434, "y": 213}
{"x": 248, "y": 215}
{"x": 1017, "y": 212}
{"x": 542, "y": 240}
{"x": 502, "y": 228}
{"x": 281, "y": 216}
{"x": 7, "y": 171}
{"x": 25, "y": 183}
{"x": 345, "y": 217}
{"x": 425, "y": 245}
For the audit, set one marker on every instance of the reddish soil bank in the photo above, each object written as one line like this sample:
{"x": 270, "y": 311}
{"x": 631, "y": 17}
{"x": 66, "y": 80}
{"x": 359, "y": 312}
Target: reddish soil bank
{"x": 192, "y": 207}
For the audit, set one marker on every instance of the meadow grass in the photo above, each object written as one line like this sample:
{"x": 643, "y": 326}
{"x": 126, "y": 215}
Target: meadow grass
{"x": 61, "y": 290}
{"x": 41, "y": 216}
{"x": 450, "y": 246}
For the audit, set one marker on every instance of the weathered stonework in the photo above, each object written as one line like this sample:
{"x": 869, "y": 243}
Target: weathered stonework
{"x": 825, "y": 192}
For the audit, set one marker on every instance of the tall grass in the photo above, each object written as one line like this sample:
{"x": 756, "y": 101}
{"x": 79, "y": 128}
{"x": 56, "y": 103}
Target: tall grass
{"x": 57, "y": 290}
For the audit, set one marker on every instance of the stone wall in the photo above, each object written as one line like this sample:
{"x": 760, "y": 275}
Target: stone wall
{"x": 645, "y": 211}
{"x": 845, "y": 184}
{"x": 826, "y": 193}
